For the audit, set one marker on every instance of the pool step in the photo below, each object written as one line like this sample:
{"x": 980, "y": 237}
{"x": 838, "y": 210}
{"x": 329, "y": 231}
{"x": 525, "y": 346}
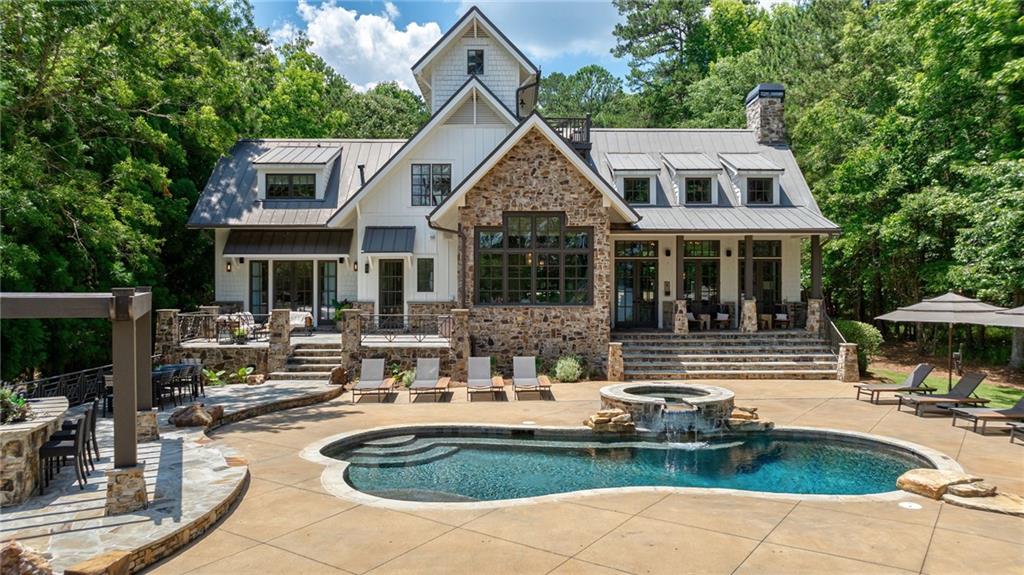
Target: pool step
{"x": 435, "y": 453}
{"x": 393, "y": 441}
{"x": 394, "y": 450}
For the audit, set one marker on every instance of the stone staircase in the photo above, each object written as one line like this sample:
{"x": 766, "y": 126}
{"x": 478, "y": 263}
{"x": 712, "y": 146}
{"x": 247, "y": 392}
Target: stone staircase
{"x": 784, "y": 354}
{"x": 310, "y": 361}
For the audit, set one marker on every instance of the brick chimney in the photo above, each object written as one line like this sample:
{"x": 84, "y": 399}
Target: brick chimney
{"x": 764, "y": 113}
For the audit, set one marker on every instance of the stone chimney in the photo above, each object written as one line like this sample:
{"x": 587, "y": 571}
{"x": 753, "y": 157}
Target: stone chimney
{"x": 764, "y": 113}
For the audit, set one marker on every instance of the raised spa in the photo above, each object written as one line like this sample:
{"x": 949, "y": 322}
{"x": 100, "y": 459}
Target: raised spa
{"x": 671, "y": 408}
{"x": 453, "y": 463}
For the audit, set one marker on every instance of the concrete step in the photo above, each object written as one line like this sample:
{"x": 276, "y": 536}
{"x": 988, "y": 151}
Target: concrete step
{"x": 730, "y": 366}
{"x": 393, "y": 450}
{"x": 315, "y": 351}
{"x": 301, "y": 375}
{"x": 322, "y": 359}
{"x": 722, "y": 341}
{"x": 306, "y": 367}
{"x": 728, "y": 374}
{"x": 779, "y": 335}
{"x": 393, "y": 441}
{"x": 724, "y": 357}
{"x": 725, "y": 350}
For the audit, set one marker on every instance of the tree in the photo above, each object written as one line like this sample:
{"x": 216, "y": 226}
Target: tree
{"x": 386, "y": 111}
{"x": 589, "y": 91}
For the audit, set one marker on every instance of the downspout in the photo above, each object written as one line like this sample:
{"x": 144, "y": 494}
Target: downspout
{"x": 536, "y": 94}
{"x": 461, "y": 255}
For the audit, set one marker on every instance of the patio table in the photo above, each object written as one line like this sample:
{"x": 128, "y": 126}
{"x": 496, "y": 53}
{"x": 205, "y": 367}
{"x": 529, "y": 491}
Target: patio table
{"x": 19, "y": 474}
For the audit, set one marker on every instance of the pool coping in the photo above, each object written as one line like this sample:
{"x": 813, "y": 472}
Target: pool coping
{"x": 333, "y": 476}
{"x": 619, "y": 392}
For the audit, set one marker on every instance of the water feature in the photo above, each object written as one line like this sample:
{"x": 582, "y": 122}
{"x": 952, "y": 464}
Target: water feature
{"x": 676, "y": 409}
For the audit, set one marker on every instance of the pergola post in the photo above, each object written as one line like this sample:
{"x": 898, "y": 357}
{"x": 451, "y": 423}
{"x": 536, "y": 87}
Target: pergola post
{"x": 144, "y": 357}
{"x": 125, "y": 372}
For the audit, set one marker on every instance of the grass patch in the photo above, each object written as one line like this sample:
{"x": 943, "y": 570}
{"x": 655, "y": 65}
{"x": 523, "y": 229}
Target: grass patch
{"x": 1000, "y": 396}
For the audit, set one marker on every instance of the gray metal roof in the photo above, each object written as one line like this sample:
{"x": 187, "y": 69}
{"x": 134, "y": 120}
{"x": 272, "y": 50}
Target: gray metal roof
{"x": 696, "y": 162}
{"x": 388, "y": 240}
{"x": 304, "y": 155}
{"x": 796, "y": 212}
{"x": 229, "y": 198}
{"x": 750, "y": 162}
{"x": 288, "y": 242}
{"x": 636, "y": 162}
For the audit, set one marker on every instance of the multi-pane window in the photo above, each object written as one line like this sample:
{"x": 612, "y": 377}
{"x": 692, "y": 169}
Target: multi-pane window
{"x": 636, "y": 190}
{"x": 637, "y": 249}
{"x": 763, "y": 249}
{"x": 431, "y": 183}
{"x": 475, "y": 62}
{"x": 425, "y": 274}
{"x": 759, "y": 190}
{"x": 534, "y": 259}
{"x": 291, "y": 186}
{"x": 701, "y": 249}
{"x": 698, "y": 191}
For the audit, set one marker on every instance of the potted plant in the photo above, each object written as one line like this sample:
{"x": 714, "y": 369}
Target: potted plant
{"x": 339, "y": 307}
{"x": 239, "y": 335}
{"x": 13, "y": 407}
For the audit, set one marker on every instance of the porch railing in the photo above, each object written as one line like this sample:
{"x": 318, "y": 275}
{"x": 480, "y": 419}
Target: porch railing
{"x": 829, "y": 332}
{"x": 575, "y": 131}
{"x": 417, "y": 327}
{"x": 77, "y": 386}
{"x": 223, "y": 328}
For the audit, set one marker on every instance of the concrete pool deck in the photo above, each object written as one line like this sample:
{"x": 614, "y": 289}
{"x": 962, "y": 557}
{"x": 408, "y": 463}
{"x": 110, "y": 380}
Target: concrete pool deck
{"x": 287, "y": 523}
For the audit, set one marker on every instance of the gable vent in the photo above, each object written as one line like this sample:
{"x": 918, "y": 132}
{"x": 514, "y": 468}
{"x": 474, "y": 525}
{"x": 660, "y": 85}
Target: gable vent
{"x": 475, "y": 32}
{"x": 483, "y": 114}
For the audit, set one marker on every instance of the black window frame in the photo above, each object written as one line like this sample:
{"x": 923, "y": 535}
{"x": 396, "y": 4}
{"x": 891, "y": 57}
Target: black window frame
{"x": 765, "y": 200}
{"x": 291, "y": 186}
{"x": 567, "y": 258}
{"x": 429, "y": 287}
{"x": 426, "y": 196}
{"x": 686, "y": 190}
{"x": 626, "y": 180}
{"x": 470, "y": 64}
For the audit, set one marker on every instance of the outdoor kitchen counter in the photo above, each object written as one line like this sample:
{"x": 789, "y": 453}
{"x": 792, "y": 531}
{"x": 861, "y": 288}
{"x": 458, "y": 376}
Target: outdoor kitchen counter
{"x": 19, "y": 448}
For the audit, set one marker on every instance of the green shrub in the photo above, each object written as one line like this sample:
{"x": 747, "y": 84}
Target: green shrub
{"x": 13, "y": 407}
{"x": 866, "y": 336}
{"x": 568, "y": 369}
{"x": 214, "y": 378}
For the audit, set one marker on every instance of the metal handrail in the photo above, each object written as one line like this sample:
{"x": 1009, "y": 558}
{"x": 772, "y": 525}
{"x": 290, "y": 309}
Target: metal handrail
{"x": 829, "y": 332}
{"x": 576, "y": 131}
{"x": 392, "y": 326}
{"x": 77, "y": 386}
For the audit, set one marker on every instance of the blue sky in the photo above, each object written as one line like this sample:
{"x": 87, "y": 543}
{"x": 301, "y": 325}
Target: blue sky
{"x": 375, "y": 41}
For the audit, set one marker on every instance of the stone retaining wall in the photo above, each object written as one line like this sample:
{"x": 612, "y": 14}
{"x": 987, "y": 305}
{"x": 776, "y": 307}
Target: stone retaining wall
{"x": 226, "y": 357}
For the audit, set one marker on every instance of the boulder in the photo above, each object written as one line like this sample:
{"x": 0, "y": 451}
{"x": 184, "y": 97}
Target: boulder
{"x": 1007, "y": 503}
{"x": 932, "y": 482}
{"x": 610, "y": 413}
{"x": 339, "y": 376}
{"x": 622, "y": 418}
{"x": 216, "y": 413}
{"x": 739, "y": 424}
{"x": 612, "y": 421}
{"x": 255, "y": 379}
{"x": 192, "y": 416}
{"x": 16, "y": 559}
{"x": 109, "y": 563}
{"x": 600, "y": 420}
{"x": 976, "y": 489}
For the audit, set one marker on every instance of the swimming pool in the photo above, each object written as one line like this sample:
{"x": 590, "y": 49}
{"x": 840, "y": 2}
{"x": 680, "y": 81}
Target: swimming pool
{"x": 472, "y": 464}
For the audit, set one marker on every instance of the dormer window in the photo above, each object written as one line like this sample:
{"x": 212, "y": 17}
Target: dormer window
{"x": 636, "y": 190}
{"x": 760, "y": 191}
{"x": 475, "y": 62}
{"x": 291, "y": 186}
{"x": 698, "y": 190}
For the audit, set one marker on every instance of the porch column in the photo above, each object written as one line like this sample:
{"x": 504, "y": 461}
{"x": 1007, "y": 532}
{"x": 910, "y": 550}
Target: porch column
{"x": 680, "y": 245}
{"x": 814, "y": 301}
{"x": 125, "y": 400}
{"x": 679, "y": 323}
{"x": 748, "y": 313}
{"x": 209, "y": 320}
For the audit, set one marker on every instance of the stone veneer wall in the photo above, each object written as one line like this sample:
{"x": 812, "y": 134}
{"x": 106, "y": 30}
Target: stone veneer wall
{"x": 765, "y": 117}
{"x": 228, "y": 357}
{"x": 535, "y": 176}
{"x": 431, "y": 307}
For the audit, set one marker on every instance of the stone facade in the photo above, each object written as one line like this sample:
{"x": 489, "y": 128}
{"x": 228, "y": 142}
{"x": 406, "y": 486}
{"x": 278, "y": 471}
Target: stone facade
{"x": 848, "y": 368}
{"x": 616, "y": 365}
{"x": 126, "y": 490}
{"x": 363, "y": 307}
{"x": 535, "y": 176}
{"x": 146, "y": 428}
{"x": 351, "y": 333}
{"x": 813, "y": 315}
{"x": 19, "y": 450}
{"x": 460, "y": 346}
{"x": 280, "y": 340}
{"x": 431, "y": 307}
{"x": 679, "y": 323}
{"x": 765, "y": 117}
{"x": 406, "y": 358}
{"x": 226, "y": 357}
{"x": 167, "y": 337}
{"x": 748, "y": 316}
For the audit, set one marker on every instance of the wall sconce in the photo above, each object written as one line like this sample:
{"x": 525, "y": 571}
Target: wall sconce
{"x": 228, "y": 267}
{"x": 668, "y": 288}
{"x": 241, "y": 261}
{"x": 668, "y": 253}
{"x": 355, "y": 267}
{"x": 728, "y": 253}
{"x": 366, "y": 267}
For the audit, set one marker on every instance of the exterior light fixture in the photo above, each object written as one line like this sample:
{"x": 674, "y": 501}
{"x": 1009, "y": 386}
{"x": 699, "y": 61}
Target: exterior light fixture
{"x": 355, "y": 266}
{"x": 668, "y": 288}
{"x": 668, "y": 253}
{"x": 728, "y": 253}
{"x": 366, "y": 267}
{"x": 228, "y": 266}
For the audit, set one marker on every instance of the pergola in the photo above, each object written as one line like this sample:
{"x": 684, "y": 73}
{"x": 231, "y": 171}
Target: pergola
{"x": 129, "y": 311}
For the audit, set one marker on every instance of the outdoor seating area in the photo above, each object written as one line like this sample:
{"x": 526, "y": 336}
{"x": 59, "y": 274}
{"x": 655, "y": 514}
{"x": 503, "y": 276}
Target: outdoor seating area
{"x": 427, "y": 380}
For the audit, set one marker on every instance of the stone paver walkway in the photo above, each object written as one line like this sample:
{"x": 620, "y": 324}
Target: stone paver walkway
{"x": 286, "y": 523}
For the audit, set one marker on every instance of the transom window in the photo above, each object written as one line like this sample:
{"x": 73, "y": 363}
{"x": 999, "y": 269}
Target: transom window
{"x": 475, "y": 62}
{"x": 759, "y": 190}
{"x": 637, "y": 249}
{"x": 636, "y": 190}
{"x": 763, "y": 249}
{"x": 291, "y": 186}
{"x": 534, "y": 259}
{"x": 431, "y": 183}
{"x": 701, "y": 249}
{"x": 698, "y": 191}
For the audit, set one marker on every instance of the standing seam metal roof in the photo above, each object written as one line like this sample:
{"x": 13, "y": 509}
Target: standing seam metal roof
{"x": 303, "y": 155}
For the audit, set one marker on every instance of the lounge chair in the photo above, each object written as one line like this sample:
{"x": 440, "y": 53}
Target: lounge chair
{"x": 427, "y": 378}
{"x": 987, "y": 414}
{"x": 914, "y": 383}
{"x": 371, "y": 379}
{"x": 525, "y": 378}
{"x": 959, "y": 395}
{"x": 480, "y": 378}
{"x": 1015, "y": 430}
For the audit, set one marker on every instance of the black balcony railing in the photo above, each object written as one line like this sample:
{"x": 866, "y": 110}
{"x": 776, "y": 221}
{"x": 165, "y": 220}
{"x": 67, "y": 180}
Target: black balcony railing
{"x": 575, "y": 131}
{"x": 77, "y": 386}
{"x": 230, "y": 328}
{"x": 417, "y": 327}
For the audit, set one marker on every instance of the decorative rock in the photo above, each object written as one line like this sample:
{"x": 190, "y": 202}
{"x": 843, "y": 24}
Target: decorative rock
{"x": 216, "y": 413}
{"x": 339, "y": 376}
{"x": 255, "y": 379}
{"x": 192, "y": 416}
{"x": 1007, "y": 503}
{"x": 737, "y": 424}
{"x": 16, "y": 559}
{"x": 126, "y": 490}
{"x": 611, "y": 420}
{"x": 109, "y": 563}
{"x": 976, "y": 489}
{"x": 932, "y": 482}
{"x": 624, "y": 418}
{"x": 748, "y": 413}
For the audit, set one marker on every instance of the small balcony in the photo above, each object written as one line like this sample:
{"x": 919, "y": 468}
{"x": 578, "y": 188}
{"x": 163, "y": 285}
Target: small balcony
{"x": 575, "y": 131}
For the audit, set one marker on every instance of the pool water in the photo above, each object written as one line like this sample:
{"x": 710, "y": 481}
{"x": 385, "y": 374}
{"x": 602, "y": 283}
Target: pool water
{"x": 467, "y": 468}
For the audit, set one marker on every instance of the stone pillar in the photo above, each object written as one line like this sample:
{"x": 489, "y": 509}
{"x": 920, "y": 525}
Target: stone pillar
{"x": 126, "y": 490}
{"x": 351, "y": 334}
{"x": 814, "y": 315}
{"x": 848, "y": 368}
{"x": 460, "y": 344}
{"x": 679, "y": 323}
{"x": 748, "y": 316}
{"x": 616, "y": 366}
{"x": 280, "y": 340}
{"x": 209, "y": 321}
{"x": 168, "y": 335}
{"x": 146, "y": 428}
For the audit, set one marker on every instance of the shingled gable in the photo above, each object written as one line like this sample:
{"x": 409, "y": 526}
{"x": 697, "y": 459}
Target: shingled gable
{"x": 535, "y": 121}
{"x": 472, "y": 85}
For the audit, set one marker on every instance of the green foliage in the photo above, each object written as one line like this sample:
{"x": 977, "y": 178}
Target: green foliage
{"x": 13, "y": 407}
{"x": 239, "y": 375}
{"x": 569, "y": 369}
{"x": 591, "y": 90}
{"x": 339, "y": 307}
{"x": 866, "y": 336}
{"x": 214, "y": 378}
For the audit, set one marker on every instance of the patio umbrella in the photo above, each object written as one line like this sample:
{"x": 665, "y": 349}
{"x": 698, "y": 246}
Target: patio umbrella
{"x": 950, "y": 309}
{"x": 1003, "y": 318}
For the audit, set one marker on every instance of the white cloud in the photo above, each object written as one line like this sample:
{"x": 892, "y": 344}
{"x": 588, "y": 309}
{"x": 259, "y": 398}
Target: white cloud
{"x": 365, "y": 48}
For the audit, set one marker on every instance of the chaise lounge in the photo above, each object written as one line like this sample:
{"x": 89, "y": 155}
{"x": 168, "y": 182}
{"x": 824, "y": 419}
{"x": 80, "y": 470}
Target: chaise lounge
{"x": 914, "y": 383}
{"x": 525, "y": 378}
{"x": 428, "y": 378}
{"x": 480, "y": 379}
{"x": 371, "y": 380}
{"x": 959, "y": 395}
{"x": 986, "y": 414}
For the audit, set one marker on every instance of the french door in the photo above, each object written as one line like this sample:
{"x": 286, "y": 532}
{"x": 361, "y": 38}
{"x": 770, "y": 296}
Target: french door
{"x": 328, "y": 293}
{"x": 636, "y": 293}
{"x": 391, "y": 292}
{"x": 701, "y": 284}
{"x": 293, "y": 285}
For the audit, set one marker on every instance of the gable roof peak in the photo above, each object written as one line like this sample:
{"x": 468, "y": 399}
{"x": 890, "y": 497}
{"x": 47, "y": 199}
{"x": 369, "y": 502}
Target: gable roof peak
{"x": 473, "y": 16}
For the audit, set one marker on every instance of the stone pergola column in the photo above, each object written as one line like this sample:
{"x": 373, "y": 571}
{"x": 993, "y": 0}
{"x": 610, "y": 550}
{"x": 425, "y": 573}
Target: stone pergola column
{"x": 351, "y": 334}
{"x": 209, "y": 320}
{"x": 849, "y": 369}
{"x": 460, "y": 344}
{"x": 280, "y": 340}
{"x": 168, "y": 334}
{"x": 748, "y": 312}
{"x": 814, "y": 301}
{"x": 679, "y": 323}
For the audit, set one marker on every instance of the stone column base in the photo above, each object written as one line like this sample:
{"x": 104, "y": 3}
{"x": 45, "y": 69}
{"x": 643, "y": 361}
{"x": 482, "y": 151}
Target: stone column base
{"x": 748, "y": 316}
{"x": 849, "y": 370}
{"x": 126, "y": 490}
{"x": 813, "y": 315}
{"x": 146, "y": 428}
{"x": 679, "y": 323}
{"x": 616, "y": 367}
